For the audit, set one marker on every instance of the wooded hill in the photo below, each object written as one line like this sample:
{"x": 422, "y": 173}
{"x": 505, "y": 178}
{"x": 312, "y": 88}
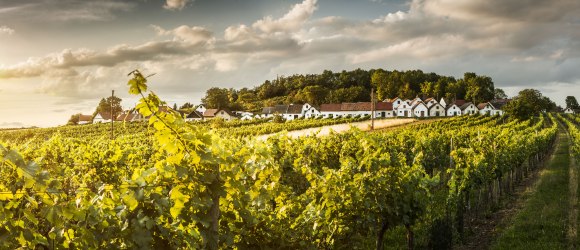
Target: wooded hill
{"x": 353, "y": 86}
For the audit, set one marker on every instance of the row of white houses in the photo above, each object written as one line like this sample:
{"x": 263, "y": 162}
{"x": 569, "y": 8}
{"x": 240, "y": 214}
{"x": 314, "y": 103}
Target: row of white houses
{"x": 388, "y": 108}
{"x": 395, "y": 107}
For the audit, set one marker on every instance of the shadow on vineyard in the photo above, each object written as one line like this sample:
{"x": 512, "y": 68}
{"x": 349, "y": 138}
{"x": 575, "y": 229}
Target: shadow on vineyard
{"x": 178, "y": 185}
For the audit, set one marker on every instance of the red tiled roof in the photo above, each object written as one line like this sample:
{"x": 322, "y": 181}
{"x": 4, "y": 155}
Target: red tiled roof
{"x": 210, "y": 112}
{"x": 384, "y": 106}
{"x": 330, "y": 107}
{"x": 358, "y": 106}
{"x": 482, "y": 105}
{"x": 294, "y": 109}
{"x": 85, "y": 118}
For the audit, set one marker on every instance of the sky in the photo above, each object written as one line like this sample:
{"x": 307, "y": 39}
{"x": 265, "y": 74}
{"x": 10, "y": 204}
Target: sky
{"x": 60, "y": 57}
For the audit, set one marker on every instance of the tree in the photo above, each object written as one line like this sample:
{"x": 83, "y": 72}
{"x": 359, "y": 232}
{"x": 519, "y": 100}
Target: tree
{"x": 186, "y": 105}
{"x": 175, "y": 106}
{"x": 479, "y": 88}
{"x": 216, "y": 98}
{"x": 105, "y": 106}
{"x": 572, "y": 103}
{"x": 74, "y": 119}
{"x": 499, "y": 94}
{"x": 528, "y": 103}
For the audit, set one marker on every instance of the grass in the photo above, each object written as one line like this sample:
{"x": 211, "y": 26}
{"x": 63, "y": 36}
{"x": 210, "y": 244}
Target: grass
{"x": 542, "y": 223}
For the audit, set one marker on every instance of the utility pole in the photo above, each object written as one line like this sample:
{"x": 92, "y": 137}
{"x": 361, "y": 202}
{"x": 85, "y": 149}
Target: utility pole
{"x": 372, "y": 108}
{"x": 112, "y": 116}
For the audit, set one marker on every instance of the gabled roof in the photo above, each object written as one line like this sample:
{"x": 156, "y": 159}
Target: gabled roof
{"x": 210, "y": 112}
{"x": 85, "y": 118}
{"x": 195, "y": 115}
{"x": 417, "y": 103}
{"x": 483, "y": 105}
{"x": 105, "y": 115}
{"x": 330, "y": 107}
{"x": 466, "y": 105}
{"x": 224, "y": 110}
{"x": 434, "y": 105}
{"x": 268, "y": 110}
{"x": 281, "y": 109}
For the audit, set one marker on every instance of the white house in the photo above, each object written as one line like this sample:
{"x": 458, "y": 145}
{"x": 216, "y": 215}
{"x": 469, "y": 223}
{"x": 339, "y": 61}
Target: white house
{"x": 487, "y": 108}
{"x": 85, "y": 119}
{"x": 246, "y": 116}
{"x": 415, "y": 101}
{"x": 420, "y": 109}
{"x": 395, "y": 101}
{"x": 201, "y": 108}
{"x": 224, "y": 114}
{"x": 102, "y": 117}
{"x": 430, "y": 102}
{"x": 330, "y": 110}
{"x": 293, "y": 111}
{"x": 567, "y": 111}
{"x": 469, "y": 109}
{"x": 453, "y": 110}
{"x": 310, "y": 111}
{"x": 194, "y": 116}
{"x": 436, "y": 110}
{"x": 404, "y": 110}
{"x": 443, "y": 102}
{"x": 384, "y": 109}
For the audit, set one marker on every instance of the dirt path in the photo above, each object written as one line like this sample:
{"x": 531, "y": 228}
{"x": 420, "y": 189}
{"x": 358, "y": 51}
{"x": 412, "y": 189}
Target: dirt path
{"x": 339, "y": 128}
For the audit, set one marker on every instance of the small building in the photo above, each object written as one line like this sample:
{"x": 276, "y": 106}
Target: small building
{"x": 452, "y": 110}
{"x": 209, "y": 113}
{"x": 384, "y": 110}
{"x": 330, "y": 110}
{"x": 102, "y": 117}
{"x": 293, "y": 111}
{"x": 419, "y": 109}
{"x": 224, "y": 114}
{"x": 430, "y": 102}
{"x": 310, "y": 111}
{"x": 194, "y": 116}
{"x": 436, "y": 110}
{"x": 395, "y": 101}
{"x": 469, "y": 108}
{"x": 85, "y": 119}
{"x": 567, "y": 111}
{"x": 443, "y": 102}
{"x": 404, "y": 110}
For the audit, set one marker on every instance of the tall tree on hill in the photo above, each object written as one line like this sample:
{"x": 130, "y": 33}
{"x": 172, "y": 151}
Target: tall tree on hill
{"x": 110, "y": 105}
{"x": 216, "y": 98}
{"x": 479, "y": 88}
{"x": 572, "y": 103}
{"x": 499, "y": 94}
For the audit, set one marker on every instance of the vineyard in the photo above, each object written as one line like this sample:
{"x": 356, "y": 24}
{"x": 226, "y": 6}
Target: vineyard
{"x": 169, "y": 184}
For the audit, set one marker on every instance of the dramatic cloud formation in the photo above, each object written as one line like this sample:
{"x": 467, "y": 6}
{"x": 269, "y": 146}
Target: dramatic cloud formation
{"x": 527, "y": 43}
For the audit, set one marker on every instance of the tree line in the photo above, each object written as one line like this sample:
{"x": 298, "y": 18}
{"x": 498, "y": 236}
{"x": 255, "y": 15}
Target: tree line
{"x": 353, "y": 86}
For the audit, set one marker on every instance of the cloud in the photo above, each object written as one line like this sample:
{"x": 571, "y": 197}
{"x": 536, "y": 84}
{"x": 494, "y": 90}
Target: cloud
{"x": 175, "y": 4}
{"x": 193, "y": 35}
{"x": 11, "y": 125}
{"x": 5, "y": 30}
{"x": 64, "y": 10}
{"x": 291, "y": 21}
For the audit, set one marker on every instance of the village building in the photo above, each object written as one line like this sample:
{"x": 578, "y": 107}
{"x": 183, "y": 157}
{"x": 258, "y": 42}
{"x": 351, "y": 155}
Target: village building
{"x": 102, "y": 117}
{"x": 404, "y": 110}
{"x": 85, "y": 119}
{"x": 469, "y": 108}
{"x": 419, "y": 109}
{"x": 436, "y": 110}
{"x": 194, "y": 116}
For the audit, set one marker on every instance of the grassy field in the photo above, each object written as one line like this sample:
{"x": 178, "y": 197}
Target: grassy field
{"x": 543, "y": 222}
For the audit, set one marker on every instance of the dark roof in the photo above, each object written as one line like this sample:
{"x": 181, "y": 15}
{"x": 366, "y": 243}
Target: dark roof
{"x": 330, "y": 107}
{"x": 268, "y": 110}
{"x": 281, "y": 109}
{"x": 459, "y": 103}
{"x": 294, "y": 109}
{"x": 499, "y": 103}
{"x": 105, "y": 115}
{"x": 384, "y": 106}
{"x": 465, "y": 105}
{"x": 195, "y": 115}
